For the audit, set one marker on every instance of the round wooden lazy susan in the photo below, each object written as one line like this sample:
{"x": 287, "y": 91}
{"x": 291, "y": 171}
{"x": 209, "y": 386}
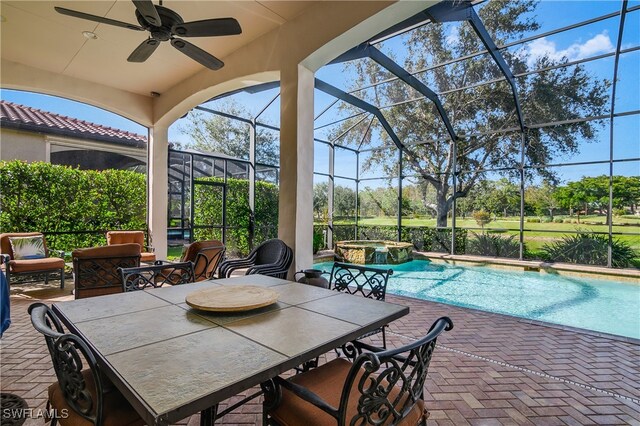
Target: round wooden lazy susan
{"x": 234, "y": 298}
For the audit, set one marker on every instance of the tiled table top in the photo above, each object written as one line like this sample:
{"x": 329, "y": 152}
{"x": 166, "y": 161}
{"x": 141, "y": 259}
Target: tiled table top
{"x": 171, "y": 361}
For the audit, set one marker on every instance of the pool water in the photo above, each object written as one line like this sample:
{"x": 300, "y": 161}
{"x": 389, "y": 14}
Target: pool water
{"x": 593, "y": 304}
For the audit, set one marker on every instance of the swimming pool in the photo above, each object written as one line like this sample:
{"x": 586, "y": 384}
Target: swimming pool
{"x": 593, "y": 304}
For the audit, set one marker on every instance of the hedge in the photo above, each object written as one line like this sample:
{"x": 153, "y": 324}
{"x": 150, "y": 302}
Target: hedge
{"x": 42, "y": 197}
{"x": 208, "y": 208}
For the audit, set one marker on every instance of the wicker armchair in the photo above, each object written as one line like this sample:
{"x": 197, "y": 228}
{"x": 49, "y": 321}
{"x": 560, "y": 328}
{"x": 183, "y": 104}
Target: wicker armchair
{"x": 14, "y": 267}
{"x": 273, "y": 258}
{"x": 95, "y": 270}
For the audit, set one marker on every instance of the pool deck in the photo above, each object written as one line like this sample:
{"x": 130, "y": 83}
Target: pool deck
{"x": 536, "y": 265}
{"x": 490, "y": 369}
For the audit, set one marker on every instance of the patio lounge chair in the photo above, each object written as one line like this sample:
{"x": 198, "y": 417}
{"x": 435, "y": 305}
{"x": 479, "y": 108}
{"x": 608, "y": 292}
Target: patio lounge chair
{"x": 126, "y": 237}
{"x": 156, "y": 275}
{"x": 206, "y": 256}
{"x": 28, "y": 266}
{"x": 273, "y": 258}
{"x": 375, "y": 387}
{"x": 81, "y": 395}
{"x": 95, "y": 270}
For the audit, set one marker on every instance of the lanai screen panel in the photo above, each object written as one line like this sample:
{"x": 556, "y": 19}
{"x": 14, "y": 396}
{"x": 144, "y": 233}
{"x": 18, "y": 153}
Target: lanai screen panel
{"x": 544, "y": 120}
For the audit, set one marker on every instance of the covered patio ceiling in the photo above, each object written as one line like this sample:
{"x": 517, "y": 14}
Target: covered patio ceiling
{"x": 35, "y": 35}
{"x": 45, "y": 52}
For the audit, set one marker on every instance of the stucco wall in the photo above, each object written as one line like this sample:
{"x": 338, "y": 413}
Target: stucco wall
{"x": 17, "y": 145}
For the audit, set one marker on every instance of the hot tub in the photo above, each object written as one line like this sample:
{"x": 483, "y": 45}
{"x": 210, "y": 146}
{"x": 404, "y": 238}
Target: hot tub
{"x": 365, "y": 252}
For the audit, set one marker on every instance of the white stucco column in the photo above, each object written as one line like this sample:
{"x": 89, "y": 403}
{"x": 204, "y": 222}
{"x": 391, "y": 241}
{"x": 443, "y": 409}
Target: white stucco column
{"x": 158, "y": 188}
{"x": 296, "y": 163}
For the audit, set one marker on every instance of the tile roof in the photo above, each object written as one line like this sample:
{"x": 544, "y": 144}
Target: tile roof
{"x": 33, "y": 119}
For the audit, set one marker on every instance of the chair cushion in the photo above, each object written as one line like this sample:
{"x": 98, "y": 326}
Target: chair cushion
{"x": 28, "y": 247}
{"x": 116, "y": 410}
{"x": 327, "y": 382}
{"x": 189, "y": 254}
{"x": 32, "y": 265}
{"x": 124, "y": 237}
{"x": 115, "y": 250}
{"x": 147, "y": 257}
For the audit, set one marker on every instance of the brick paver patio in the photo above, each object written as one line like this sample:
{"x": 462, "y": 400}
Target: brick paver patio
{"x": 490, "y": 370}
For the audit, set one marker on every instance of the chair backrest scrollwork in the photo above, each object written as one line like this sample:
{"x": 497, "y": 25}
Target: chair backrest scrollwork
{"x": 69, "y": 354}
{"x": 388, "y": 384}
{"x": 364, "y": 280}
{"x": 155, "y": 276}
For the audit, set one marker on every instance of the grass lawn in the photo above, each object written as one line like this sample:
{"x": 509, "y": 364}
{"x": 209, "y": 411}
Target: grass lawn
{"x": 173, "y": 253}
{"x": 536, "y": 234}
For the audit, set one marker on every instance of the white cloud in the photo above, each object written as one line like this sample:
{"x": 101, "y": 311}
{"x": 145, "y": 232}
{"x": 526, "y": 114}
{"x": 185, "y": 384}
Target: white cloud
{"x": 600, "y": 43}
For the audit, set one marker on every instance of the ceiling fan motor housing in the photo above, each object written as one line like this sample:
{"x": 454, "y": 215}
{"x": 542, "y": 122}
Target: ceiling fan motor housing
{"x": 169, "y": 19}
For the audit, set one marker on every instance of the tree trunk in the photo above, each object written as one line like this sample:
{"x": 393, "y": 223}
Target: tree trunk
{"x": 442, "y": 209}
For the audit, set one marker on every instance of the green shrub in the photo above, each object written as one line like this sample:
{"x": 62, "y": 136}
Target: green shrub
{"x": 42, "y": 197}
{"x": 318, "y": 241}
{"x": 558, "y": 220}
{"x": 481, "y": 217}
{"x": 545, "y": 220}
{"x": 493, "y": 245}
{"x": 619, "y": 212}
{"x": 533, "y": 219}
{"x": 590, "y": 249}
{"x": 434, "y": 239}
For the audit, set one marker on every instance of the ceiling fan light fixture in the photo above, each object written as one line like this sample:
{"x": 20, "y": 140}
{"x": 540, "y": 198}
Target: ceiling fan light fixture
{"x": 90, "y": 35}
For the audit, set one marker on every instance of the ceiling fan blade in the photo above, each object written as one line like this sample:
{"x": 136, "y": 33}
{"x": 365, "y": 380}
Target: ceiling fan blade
{"x": 144, "y": 50}
{"x": 148, "y": 11}
{"x": 100, "y": 19}
{"x": 197, "y": 54}
{"x": 208, "y": 28}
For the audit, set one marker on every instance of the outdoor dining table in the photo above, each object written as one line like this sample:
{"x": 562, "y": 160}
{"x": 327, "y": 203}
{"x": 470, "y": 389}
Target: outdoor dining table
{"x": 171, "y": 361}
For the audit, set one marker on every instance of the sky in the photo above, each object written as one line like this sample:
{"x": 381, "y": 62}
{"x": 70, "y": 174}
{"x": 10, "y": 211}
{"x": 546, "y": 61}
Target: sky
{"x": 591, "y": 40}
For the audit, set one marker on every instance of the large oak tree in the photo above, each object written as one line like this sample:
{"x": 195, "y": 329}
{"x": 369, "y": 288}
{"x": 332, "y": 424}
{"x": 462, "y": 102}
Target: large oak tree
{"x": 557, "y": 94}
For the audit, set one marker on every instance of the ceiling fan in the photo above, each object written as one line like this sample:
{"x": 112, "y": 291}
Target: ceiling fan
{"x": 164, "y": 24}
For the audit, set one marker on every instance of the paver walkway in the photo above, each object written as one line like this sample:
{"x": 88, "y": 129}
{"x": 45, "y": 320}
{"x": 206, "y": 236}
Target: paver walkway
{"x": 489, "y": 370}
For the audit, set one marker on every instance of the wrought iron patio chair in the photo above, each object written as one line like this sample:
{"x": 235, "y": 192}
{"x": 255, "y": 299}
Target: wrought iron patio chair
{"x": 29, "y": 267}
{"x": 81, "y": 393}
{"x": 206, "y": 256}
{"x": 95, "y": 270}
{"x": 362, "y": 280}
{"x": 372, "y": 387}
{"x": 273, "y": 258}
{"x": 155, "y": 276}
